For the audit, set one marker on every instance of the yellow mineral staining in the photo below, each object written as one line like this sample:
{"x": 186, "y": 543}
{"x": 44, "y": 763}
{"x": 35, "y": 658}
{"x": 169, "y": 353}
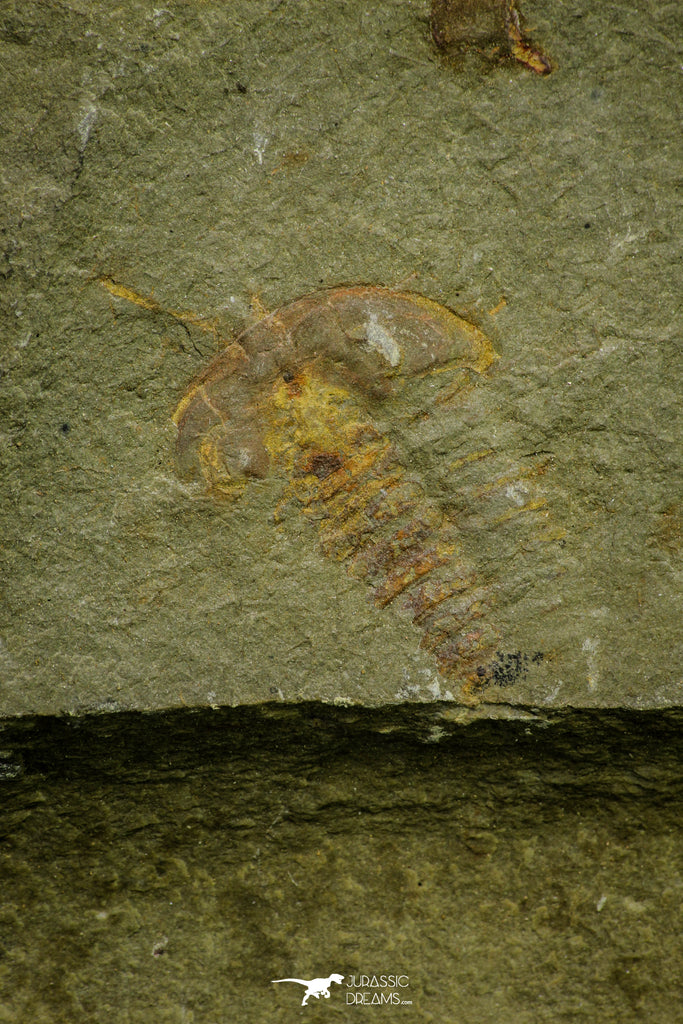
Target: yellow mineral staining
{"x": 530, "y": 506}
{"x": 258, "y": 310}
{"x": 121, "y": 291}
{"x": 305, "y": 414}
{"x": 318, "y": 436}
{"x": 214, "y": 470}
{"x": 483, "y": 351}
{"x": 511, "y": 481}
{"x": 472, "y": 457}
{"x": 521, "y": 48}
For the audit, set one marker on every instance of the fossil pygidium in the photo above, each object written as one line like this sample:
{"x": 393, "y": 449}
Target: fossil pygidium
{"x": 304, "y": 393}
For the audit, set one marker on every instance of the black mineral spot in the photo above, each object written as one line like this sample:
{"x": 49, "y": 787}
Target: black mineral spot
{"x": 507, "y": 669}
{"x": 323, "y": 464}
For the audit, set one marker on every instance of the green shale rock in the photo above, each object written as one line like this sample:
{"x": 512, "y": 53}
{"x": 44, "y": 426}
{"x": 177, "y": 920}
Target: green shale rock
{"x": 174, "y": 176}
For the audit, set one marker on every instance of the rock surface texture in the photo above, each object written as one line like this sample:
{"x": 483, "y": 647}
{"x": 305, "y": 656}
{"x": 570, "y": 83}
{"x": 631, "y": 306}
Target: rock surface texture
{"x": 174, "y": 177}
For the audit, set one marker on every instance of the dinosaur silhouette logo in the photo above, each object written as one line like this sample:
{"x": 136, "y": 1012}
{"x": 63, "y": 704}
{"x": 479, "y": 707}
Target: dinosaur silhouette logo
{"x": 316, "y": 987}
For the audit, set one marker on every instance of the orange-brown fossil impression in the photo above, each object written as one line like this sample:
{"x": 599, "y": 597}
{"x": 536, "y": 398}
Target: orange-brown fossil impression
{"x": 492, "y": 27}
{"x": 301, "y": 393}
